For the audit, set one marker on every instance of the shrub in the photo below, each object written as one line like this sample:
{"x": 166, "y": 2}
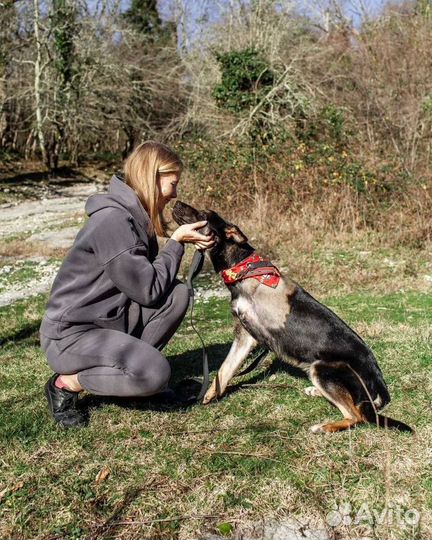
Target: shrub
{"x": 245, "y": 79}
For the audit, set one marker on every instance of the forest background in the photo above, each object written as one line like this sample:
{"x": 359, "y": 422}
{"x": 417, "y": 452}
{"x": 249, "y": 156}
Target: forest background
{"x": 309, "y": 119}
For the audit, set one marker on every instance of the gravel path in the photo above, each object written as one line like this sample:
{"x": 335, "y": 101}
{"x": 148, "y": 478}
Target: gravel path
{"x": 47, "y": 220}
{"x": 47, "y": 213}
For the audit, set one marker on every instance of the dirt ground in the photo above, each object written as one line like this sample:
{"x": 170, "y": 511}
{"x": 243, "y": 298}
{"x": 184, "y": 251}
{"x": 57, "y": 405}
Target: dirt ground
{"x": 42, "y": 228}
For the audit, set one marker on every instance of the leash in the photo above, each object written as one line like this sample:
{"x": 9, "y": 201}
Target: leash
{"x": 194, "y": 270}
{"x": 256, "y": 363}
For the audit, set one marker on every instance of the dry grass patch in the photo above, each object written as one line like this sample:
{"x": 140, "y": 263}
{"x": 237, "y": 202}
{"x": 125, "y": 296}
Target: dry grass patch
{"x": 22, "y": 248}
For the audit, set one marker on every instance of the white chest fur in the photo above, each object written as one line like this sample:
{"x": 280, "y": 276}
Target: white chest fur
{"x": 261, "y": 308}
{"x": 245, "y": 309}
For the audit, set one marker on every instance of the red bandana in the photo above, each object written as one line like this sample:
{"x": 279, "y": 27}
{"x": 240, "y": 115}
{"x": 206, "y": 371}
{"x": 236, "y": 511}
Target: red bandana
{"x": 265, "y": 272}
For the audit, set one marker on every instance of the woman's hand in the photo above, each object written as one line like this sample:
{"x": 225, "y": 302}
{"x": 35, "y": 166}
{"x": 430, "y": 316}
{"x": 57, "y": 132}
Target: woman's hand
{"x": 188, "y": 234}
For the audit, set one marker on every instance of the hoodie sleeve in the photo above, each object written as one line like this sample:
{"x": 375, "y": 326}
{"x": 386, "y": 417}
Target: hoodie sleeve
{"x": 125, "y": 259}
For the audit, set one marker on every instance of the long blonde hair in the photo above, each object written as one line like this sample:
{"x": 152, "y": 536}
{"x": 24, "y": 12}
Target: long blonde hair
{"x": 141, "y": 169}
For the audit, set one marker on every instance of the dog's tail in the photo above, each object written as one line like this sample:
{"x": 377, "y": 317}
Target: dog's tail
{"x": 369, "y": 409}
{"x": 370, "y": 415}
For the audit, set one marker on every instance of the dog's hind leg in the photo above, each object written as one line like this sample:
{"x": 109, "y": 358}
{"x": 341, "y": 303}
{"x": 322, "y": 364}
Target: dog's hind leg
{"x": 242, "y": 345}
{"x": 336, "y": 383}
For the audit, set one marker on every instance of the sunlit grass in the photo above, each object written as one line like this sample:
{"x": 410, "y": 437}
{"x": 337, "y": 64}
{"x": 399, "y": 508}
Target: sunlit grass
{"x": 146, "y": 471}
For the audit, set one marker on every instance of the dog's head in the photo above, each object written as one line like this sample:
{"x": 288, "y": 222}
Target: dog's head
{"x": 223, "y": 231}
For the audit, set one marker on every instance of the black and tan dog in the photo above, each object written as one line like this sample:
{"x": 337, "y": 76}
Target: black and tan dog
{"x": 271, "y": 310}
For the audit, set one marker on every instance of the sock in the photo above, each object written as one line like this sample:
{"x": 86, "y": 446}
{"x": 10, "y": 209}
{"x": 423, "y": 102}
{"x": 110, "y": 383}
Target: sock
{"x": 60, "y": 384}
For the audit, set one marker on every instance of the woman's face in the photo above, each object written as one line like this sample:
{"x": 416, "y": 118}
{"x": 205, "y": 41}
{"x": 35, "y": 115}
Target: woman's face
{"x": 167, "y": 183}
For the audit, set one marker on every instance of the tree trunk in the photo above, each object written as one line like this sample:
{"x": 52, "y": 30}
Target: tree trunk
{"x": 37, "y": 85}
{"x": 3, "y": 95}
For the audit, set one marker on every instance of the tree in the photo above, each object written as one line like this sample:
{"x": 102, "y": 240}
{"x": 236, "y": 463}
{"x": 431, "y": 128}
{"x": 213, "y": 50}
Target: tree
{"x": 152, "y": 36}
{"x": 7, "y": 37}
{"x": 143, "y": 15}
{"x": 424, "y": 7}
{"x": 38, "y": 70}
{"x": 66, "y": 75}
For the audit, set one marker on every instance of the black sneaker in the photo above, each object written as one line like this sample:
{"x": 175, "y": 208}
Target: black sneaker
{"x": 63, "y": 405}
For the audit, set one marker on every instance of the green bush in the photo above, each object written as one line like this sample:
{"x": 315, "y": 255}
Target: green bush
{"x": 245, "y": 78}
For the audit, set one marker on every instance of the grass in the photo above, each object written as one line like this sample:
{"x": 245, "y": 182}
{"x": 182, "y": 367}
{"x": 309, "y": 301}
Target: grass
{"x": 141, "y": 470}
{"x": 21, "y": 272}
{"x": 11, "y": 276}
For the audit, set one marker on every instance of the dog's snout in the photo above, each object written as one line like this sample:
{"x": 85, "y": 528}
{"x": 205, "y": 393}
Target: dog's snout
{"x": 184, "y": 213}
{"x": 178, "y": 206}
{"x": 178, "y": 212}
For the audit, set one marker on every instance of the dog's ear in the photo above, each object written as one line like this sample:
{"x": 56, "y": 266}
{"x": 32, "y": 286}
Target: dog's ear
{"x": 234, "y": 233}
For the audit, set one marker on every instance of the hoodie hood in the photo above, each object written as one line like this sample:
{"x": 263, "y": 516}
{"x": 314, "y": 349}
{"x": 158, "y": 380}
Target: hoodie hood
{"x": 119, "y": 195}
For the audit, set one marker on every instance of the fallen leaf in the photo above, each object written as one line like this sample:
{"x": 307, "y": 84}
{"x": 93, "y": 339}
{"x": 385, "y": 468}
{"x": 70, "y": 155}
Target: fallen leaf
{"x": 14, "y": 488}
{"x": 102, "y": 474}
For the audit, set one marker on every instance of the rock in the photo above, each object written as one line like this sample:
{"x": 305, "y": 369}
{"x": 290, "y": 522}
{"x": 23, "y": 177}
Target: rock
{"x": 293, "y": 530}
{"x": 284, "y": 530}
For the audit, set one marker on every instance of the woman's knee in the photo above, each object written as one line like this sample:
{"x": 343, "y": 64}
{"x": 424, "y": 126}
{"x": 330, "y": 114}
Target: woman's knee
{"x": 181, "y": 297}
{"x": 152, "y": 378}
{"x": 54, "y": 357}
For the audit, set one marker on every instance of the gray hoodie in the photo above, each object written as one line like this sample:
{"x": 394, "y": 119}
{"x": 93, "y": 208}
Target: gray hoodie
{"x": 113, "y": 262}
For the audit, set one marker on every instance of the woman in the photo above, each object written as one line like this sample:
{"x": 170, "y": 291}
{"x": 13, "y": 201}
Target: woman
{"x": 116, "y": 301}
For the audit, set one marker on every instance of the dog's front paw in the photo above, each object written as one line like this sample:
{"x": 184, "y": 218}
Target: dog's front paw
{"x": 210, "y": 395}
{"x": 215, "y": 391}
{"x": 207, "y": 399}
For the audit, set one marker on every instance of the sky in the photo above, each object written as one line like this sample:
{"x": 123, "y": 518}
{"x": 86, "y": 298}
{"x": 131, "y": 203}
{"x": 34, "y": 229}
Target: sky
{"x": 201, "y": 13}
{"x": 354, "y": 10}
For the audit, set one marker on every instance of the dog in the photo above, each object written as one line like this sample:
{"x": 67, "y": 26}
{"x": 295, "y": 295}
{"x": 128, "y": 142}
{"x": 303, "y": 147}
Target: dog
{"x": 271, "y": 310}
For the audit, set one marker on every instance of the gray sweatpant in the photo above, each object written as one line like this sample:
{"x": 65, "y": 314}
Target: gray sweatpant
{"x": 113, "y": 363}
